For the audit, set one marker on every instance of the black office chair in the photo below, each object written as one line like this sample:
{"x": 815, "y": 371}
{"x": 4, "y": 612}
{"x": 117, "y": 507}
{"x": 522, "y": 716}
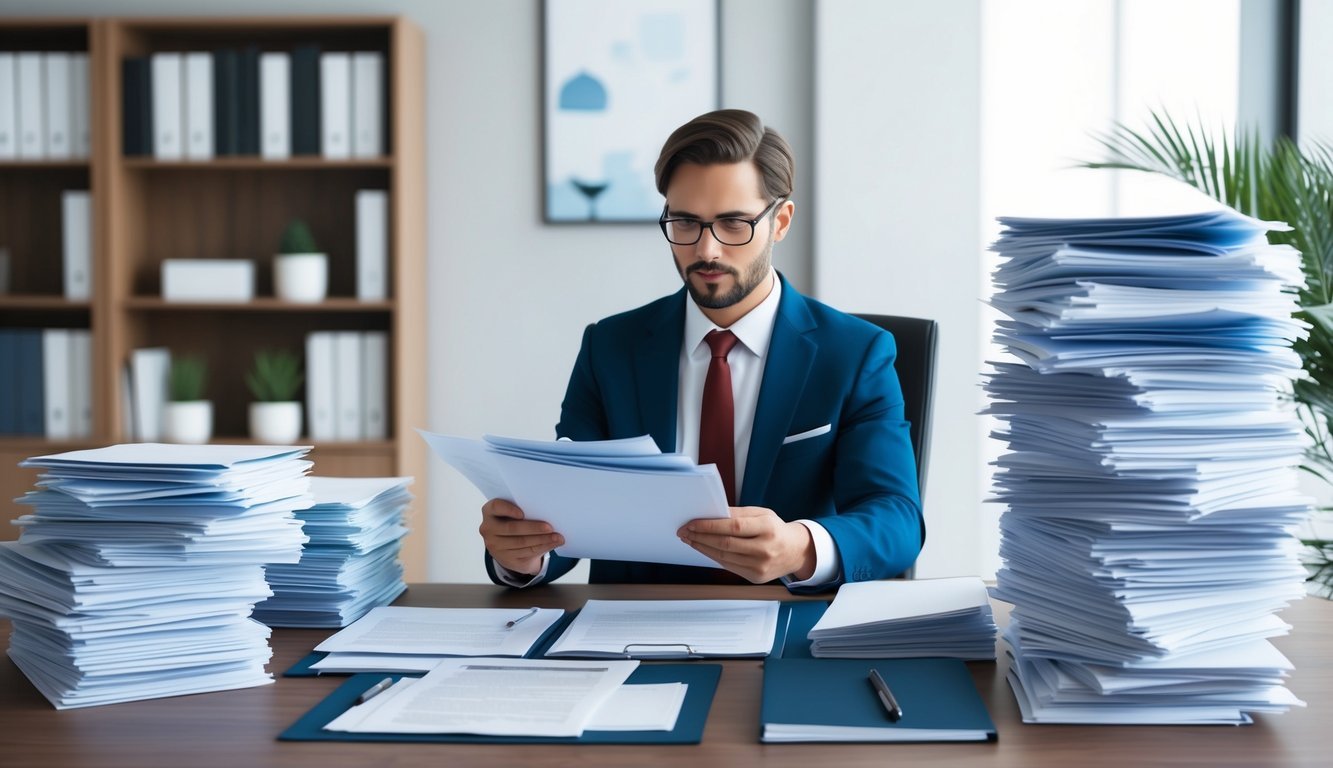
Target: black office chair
{"x": 917, "y": 340}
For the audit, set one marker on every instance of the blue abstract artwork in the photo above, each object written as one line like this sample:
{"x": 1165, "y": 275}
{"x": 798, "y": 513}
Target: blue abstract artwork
{"x": 619, "y": 77}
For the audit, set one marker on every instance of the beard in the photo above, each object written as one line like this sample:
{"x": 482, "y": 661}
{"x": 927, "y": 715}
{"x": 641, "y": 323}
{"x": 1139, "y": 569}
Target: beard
{"x": 711, "y": 296}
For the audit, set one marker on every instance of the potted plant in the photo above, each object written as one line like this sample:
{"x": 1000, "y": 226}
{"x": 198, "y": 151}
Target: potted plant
{"x": 275, "y": 381}
{"x": 1277, "y": 181}
{"x": 300, "y": 270}
{"x": 188, "y": 417}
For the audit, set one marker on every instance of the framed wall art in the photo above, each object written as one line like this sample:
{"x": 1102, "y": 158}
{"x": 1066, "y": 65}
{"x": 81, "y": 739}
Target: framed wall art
{"x": 618, "y": 78}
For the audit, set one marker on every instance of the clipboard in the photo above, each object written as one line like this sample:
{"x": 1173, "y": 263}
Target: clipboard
{"x": 701, "y": 678}
{"x": 536, "y": 650}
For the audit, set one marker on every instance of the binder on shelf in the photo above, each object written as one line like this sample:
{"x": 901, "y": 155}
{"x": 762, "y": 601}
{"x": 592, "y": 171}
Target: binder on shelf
{"x": 319, "y": 377}
{"x": 937, "y": 698}
{"x": 701, "y": 681}
{"x": 77, "y": 244}
{"x": 305, "y": 100}
{"x": 367, "y": 104}
{"x": 374, "y": 384}
{"x": 137, "y": 102}
{"x": 8, "y": 106}
{"x": 347, "y": 385}
{"x": 226, "y": 102}
{"x": 80, "y": 107}
{"x": 335, "y": 116}
{"x": 275, "y": 105}
{"x": 168, "y": 115}
{"x": 31, "y": 392}
{"x": 9, "y": 384}
{"x": 248, "y": 91}
{"x": 31, "y": 115}
{"x": 198, "y": 132}
{"x": 56, "y": 383}
{"x": 81, "y": 383}
{"x": 55, "y": 72}
{"x": 372, "y": 244}
{"x": 150, "y": 368}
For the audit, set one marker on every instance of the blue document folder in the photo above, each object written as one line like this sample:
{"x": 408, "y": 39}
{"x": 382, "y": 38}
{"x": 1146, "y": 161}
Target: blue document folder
{"x": 833, "y": 700}
{"x": 701, "y": 680}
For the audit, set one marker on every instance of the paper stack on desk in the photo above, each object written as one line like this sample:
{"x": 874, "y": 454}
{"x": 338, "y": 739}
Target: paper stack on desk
{"x": 905, "y": 619}
{"x": 351, "y": 563}
{"x": 137, "y": 569}
{"x": 1150, "y": 476}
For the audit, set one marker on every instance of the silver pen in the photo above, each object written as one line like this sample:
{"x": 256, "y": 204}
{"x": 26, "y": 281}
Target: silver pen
{"x": 531, "y": 612}
{"x": 374, "y": 690}
{"x": 891, "y": 707}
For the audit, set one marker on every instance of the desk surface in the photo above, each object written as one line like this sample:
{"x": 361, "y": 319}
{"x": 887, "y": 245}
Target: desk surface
{"x": 238, "y": 728}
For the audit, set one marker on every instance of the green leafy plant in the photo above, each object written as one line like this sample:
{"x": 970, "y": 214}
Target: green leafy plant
{"x": 186, "y": 382}
{"x": 1278, "y": 181}
{"x": 276, "y": 376}
{"x": 296, "y": 238}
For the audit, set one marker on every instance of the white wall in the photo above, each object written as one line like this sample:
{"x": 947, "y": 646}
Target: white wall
{"x": 897, "y": 177}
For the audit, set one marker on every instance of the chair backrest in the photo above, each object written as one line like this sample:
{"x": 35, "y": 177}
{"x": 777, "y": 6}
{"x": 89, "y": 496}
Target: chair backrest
{"x": 917, "y": 340}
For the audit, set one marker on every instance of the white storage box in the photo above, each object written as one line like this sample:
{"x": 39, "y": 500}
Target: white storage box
{"x": 208, "y": 280}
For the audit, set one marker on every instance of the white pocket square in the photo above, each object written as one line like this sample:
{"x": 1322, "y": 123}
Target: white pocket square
{"x": 806, "y": 435}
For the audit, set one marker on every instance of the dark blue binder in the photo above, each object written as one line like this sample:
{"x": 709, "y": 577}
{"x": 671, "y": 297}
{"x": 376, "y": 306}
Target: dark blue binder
{"x": 701, "y": 680}
{"x": 938, "y": 699}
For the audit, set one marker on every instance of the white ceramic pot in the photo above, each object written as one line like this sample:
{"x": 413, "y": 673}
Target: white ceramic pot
{"x": 275, "y": 423}
{"x": 301, "y": 277}
{"x": 190, "y": 421}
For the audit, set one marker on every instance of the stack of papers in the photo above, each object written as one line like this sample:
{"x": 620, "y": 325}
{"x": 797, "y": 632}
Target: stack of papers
{"x": 1150, "y": 478}
{"x": 351, "y": 563}
{"x": 905, "y": 619}
{"x": 610, "y": 499}
{"x": 137, "y": 570}
{"x": 402, "y": 639}
{"x": 646, "y": 629}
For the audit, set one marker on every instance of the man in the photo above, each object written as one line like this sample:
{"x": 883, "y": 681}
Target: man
{"x": 797, "y": 404}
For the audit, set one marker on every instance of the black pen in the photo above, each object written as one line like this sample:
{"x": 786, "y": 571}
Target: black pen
{"x": 374, "y": 690}
{"x": 885, "y": 696}
{"x": 531, "y": 612}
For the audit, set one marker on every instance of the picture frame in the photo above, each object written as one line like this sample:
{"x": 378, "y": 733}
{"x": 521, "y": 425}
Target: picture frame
{"x": 618, "y": 78}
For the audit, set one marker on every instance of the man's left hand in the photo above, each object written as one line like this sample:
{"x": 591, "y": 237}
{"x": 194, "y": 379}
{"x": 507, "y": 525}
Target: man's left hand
{"x": 754, "y": 543}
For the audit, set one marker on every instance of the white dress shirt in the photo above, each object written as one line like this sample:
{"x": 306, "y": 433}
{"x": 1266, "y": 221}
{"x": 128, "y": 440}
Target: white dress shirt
{"x": 746, "y": 359}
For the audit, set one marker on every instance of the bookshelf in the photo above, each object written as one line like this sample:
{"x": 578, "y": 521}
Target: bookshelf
{"x": 147, "y": 210}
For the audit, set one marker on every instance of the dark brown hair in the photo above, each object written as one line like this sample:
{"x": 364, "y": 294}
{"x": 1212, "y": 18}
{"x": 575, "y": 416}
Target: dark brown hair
{"x": 730, "y": 136}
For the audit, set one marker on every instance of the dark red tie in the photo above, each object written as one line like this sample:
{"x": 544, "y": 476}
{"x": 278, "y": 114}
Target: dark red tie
{"x": 717, "y": 417}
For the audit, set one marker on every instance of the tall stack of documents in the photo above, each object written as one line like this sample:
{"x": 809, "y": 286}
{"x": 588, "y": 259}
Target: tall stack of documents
{"x": 1150, "y": 479}
{"x": 351, "y": 563}
{"x": 136, "y": 572}
{"x": 907, "y": 619}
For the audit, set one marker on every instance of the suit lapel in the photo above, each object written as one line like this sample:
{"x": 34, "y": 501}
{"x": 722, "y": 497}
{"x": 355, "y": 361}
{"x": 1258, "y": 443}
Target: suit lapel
{"x": 657, "y": 373}
{"x": 790, "y": 355}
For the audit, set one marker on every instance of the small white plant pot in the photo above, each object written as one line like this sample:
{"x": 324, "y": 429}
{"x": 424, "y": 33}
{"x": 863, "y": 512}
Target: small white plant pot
{"x": 275, "y": 423}
{"x": 190, "y": 421}
{"x": 301, "y": 277}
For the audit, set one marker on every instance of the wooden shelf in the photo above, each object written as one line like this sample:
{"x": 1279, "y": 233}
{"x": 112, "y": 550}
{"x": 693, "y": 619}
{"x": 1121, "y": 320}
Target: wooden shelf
{"x": 256, "y": 164}
{"x": 46, "y": 303}
{"x": 261, "y": 304}
{"x": 40, "y": 165}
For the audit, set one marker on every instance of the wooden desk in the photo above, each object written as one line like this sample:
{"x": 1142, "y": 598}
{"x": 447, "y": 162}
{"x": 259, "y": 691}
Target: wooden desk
{"x": 237, "y": 729}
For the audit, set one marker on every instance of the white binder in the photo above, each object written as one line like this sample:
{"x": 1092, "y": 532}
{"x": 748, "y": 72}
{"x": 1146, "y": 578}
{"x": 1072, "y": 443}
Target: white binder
{"x": 367, "y": 104}
{"x": 9, "y": 148}
{"x": 347, "y": 385}
{"x": 56, "y": 378}
{"x": 198, "y": 129}
{"x": 80, "y": 107}
{"x": 374, "y": 384}
{"x": 31, "y": 115}
{"x": 335, "y": 104}
{"x": 55, "y": 70}
{"x": 168, "y": 116}
{"x": 319, "y": 375}
{"x": 275, "y": 105}
{"x": 372, "y": 244}
{"x": 77, "y": 244}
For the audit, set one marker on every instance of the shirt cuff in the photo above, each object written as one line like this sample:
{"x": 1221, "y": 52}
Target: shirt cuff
{"x": 828, "y": 563}
{"x": 511, "y": 579}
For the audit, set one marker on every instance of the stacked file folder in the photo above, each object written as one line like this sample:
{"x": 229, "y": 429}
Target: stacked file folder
{"x": 1150, "y": 477}
{"x": 905, "y": 619}
{"x": 136, "y": 572}
{"x": 351, "y": 563}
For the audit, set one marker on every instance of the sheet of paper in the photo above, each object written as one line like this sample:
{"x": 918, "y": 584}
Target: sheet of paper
{"x": 354, "y": 663}
{"x": 496, "y": 697}
{"x": 652, "y": 707}
{"x": 670, "y": 628}
{"x": 443, "y": 631}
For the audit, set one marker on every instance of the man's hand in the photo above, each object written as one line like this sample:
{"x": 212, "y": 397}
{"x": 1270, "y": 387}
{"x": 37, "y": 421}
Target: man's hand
{"x": 754, "y": 543}
{"x": 516, "y": 543}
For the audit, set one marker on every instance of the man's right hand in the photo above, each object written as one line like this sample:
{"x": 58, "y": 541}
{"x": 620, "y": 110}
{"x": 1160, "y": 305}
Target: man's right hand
{"x": 515, "y": 543}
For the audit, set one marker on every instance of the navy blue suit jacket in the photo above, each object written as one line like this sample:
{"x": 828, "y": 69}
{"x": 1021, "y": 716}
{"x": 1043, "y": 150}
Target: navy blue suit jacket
{"x": 858, "y": 480}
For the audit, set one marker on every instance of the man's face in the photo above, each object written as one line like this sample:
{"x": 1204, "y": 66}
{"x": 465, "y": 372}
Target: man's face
{"x": 721, "y": 277}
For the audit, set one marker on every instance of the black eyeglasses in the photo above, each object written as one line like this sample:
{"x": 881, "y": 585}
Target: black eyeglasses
{"x": 730, "y": 230}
